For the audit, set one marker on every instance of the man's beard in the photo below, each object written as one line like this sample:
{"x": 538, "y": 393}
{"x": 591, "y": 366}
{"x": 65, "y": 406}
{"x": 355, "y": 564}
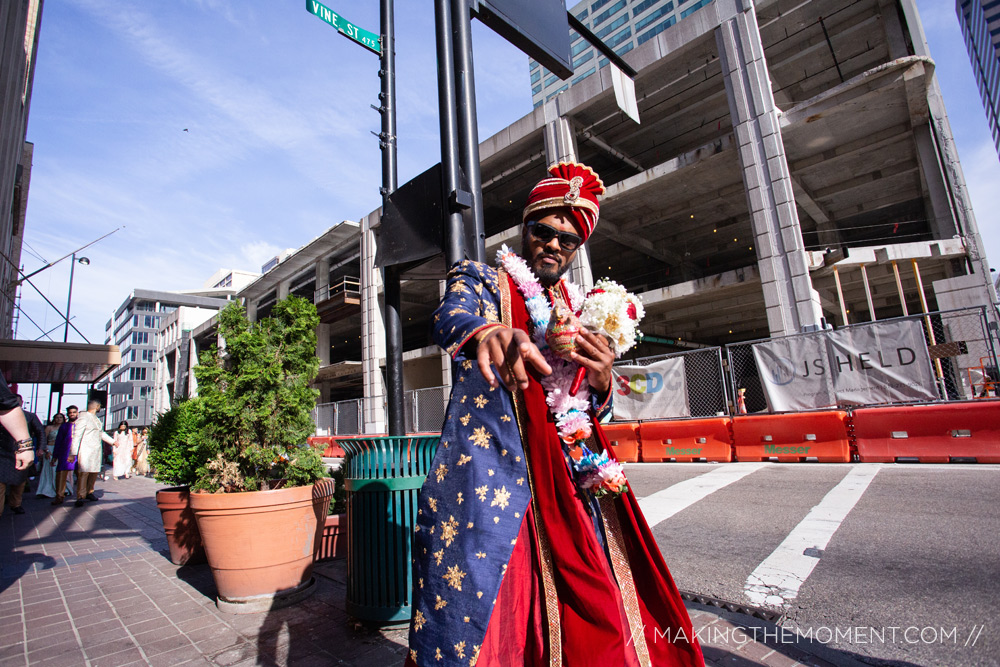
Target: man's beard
{"x": 546, "y": 276}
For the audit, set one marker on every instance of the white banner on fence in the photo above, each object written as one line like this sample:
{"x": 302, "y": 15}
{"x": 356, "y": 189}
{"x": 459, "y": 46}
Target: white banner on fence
{"x": 656, "y": 391}
{"x": 881, "y": 362}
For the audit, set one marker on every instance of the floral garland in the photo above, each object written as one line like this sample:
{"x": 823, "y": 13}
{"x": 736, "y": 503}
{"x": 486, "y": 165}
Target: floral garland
{"x": 593, "y": 472}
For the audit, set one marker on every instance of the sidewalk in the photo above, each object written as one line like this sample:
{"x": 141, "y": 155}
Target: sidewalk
{"x": 93, "y": 586}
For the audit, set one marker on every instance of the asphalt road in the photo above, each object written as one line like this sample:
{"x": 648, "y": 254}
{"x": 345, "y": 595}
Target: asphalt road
{"x": 888, "y": 564}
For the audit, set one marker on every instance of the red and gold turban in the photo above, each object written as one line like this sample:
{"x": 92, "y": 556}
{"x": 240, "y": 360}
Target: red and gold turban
{"x": 572, "y": 186}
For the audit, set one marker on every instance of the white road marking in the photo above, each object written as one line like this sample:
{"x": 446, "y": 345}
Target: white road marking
{"x": 664, "y": 504}
{"x": 777, "y": 580}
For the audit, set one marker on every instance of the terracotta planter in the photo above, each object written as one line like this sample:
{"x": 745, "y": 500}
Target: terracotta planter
{"x": 260, "y": 544}
{"x": 180, "y": 526}
{"x": 333, "y": 543}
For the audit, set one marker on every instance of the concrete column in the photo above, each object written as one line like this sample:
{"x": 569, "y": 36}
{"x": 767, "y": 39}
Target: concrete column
{"x": 251, "y": 307}
{"x": 283, "y": 288}
{"x": 560, "y": 138}
{"x": 560, "y": 146}
{"x": 322, "y": 278}
{"x": 792, "y": 303}
{"x": 372, "y": 331}
{"x": 323, "y": 331}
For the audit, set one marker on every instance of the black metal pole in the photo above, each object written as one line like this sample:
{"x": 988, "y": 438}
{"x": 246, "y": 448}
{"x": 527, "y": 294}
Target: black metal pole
{"x": 468, "y": 130}
{"x": 69, "y": 297}
{"x": 393, "y": 299}
{"x": 454, "y": 236}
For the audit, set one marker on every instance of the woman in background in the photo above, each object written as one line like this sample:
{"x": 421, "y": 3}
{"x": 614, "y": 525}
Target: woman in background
{"x": 122, "y": 448}
{"x": 142, "y": 453}
{"x": 46, "y": 462}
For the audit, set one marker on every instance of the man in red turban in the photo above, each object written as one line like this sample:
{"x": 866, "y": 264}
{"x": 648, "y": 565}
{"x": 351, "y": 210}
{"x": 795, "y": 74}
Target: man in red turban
{"x": 516, "y": 562}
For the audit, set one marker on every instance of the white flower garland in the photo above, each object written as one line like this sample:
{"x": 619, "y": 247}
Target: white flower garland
{"x": 594, "y": 472}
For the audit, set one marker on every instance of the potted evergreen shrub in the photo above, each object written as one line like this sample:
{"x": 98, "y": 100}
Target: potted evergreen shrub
{"x": 261, "y": 497}
{"x": 175, "y": 460}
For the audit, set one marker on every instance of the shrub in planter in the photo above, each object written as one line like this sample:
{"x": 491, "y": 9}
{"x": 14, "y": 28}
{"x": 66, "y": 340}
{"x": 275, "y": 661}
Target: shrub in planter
{"x": 260, "y": 498}
{"x": 175, "y": 461}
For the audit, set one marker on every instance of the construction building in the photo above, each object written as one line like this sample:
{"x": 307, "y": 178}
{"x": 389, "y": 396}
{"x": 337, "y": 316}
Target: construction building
{"x": 794, "y": 169}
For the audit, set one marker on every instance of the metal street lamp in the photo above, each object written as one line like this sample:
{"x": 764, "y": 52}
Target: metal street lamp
{"x": 69, "y": 297}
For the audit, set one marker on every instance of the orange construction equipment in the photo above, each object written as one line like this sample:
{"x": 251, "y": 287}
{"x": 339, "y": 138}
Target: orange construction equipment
{"x": 624, "y": 439}
{"x": 929, "y": 433}
{"x": 801, "y": 436}
{"x": 686, "y": 440}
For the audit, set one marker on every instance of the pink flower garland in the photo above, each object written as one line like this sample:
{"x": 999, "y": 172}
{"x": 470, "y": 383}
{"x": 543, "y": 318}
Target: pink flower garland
{"x": 596, "y": 473}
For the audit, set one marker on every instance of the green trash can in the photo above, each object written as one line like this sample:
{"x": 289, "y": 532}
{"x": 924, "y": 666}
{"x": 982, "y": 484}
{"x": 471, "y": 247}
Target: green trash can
{"x": 383, "y": 476}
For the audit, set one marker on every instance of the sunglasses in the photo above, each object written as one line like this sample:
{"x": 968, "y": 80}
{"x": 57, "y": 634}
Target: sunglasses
{"x": 544, "y": 233}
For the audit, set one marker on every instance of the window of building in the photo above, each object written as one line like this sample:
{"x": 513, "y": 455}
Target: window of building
{"x": 536, "y": 76}
{"x": 644, "y": 5}
{"x": 693, "y": 8}
{"x": 607, "y": 13}
{"x": 582, "y": 59}
{"x": 652, "y": 16}
{"x": 597, "y": 5}
{"x": 620, "y": 37}
{"x": 654, "y": 31}
{"x": 584, "y": 75}
{"x": 611, "y": 27}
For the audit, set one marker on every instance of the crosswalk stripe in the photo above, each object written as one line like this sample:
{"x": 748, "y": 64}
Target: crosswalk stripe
{"x": 664, "y": 504}
{"x": 777, "y": 580}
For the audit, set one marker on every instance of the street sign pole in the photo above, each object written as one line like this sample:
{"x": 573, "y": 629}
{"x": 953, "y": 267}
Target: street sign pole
{"x": 383, "y": 46}
{"x": 367, "y": 39}
{"x": 468, "y": 132}
{"x": 393, "y": 291}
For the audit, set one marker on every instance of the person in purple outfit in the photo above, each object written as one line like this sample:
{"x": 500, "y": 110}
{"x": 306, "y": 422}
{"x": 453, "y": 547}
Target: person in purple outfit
{"x": 60, "y": 453}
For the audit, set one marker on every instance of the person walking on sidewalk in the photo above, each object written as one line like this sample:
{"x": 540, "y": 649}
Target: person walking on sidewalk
{"x": 16, "y": 491}
{"x": 46, "y": 462}
{"x": 17, "y": 449}
{"x": 121, "y": 461}
{"x": 60, "y": 456}
{"x": 87, "y": 450}
{"x": 141, "y": 455}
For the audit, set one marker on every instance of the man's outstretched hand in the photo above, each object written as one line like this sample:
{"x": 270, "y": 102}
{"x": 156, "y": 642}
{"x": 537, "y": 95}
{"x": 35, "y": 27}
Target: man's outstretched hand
{"x": 509, "y": 350}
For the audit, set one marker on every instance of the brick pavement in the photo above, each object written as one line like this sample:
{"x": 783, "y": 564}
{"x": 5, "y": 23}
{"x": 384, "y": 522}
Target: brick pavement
{"x": 93, "y": 586}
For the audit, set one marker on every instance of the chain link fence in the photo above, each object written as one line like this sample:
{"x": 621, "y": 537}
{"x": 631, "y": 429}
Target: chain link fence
{"x": 423, "y": 411}
{"x": 660, "y": 393}
{"x": 707, "y": 382}
{"x": 960, "y": 349}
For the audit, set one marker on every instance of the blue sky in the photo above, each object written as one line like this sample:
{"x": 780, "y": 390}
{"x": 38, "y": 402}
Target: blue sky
{"x": 277, "y": 145}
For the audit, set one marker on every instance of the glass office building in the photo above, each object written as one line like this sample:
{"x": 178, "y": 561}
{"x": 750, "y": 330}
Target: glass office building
{"x": 980, "y": 22}
{"x": 621, "y": 24}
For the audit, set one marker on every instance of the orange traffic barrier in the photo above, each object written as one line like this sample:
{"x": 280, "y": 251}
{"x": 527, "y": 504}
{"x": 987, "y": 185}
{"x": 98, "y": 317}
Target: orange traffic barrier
{"x": 929, "y": 433}
{"x": 624, "y": 439}
{"x": 686, "y": 440}
{"x": 329, "y": 443}
{"x": 792, "y": 437}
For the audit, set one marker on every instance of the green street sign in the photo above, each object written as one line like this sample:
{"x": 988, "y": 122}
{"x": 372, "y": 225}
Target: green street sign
{"x": 369, "y": 40}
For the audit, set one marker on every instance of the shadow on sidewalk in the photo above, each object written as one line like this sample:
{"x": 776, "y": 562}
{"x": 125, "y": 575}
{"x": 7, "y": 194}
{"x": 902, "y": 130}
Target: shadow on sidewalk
{"x": 18, "y": 563}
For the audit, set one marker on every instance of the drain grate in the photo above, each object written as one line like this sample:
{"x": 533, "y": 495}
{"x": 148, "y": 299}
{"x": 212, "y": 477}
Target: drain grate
{"x": 757, "y": 612}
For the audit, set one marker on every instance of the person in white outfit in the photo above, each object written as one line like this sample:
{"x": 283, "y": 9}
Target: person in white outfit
{"x": 124, "y": 444}
{"x": 87, "y": 451}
